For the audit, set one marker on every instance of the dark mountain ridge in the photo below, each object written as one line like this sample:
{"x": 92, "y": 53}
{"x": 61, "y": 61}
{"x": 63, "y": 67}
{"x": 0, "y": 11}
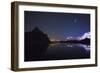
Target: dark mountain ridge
{"x": 36, "y": 43}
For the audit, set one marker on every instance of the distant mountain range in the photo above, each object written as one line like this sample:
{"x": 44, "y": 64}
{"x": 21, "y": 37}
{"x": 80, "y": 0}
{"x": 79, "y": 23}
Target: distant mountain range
{"x": 84, "y": 36}
{"x": 84, "y": 39}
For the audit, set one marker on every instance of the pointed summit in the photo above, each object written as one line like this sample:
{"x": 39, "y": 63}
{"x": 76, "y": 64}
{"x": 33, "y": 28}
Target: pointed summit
{"x": 36, "y": 43}
{"x": 38, "y": 36}
{"x": 36, "y": 29}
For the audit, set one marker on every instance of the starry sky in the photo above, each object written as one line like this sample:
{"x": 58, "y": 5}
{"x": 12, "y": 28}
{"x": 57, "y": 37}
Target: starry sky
{"x": 57, "y": 25}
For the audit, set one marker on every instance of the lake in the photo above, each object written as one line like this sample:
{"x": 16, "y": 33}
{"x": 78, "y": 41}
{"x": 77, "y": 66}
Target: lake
{"x": 61, "y": 51}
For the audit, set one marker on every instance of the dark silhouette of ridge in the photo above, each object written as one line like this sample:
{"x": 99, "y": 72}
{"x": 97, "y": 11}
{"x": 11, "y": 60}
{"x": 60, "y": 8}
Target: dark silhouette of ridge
{"x": 36, "y": 43}
{"x": 84, "y": 41}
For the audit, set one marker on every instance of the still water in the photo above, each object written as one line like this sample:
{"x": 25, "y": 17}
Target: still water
{"x": 59, "y": 51}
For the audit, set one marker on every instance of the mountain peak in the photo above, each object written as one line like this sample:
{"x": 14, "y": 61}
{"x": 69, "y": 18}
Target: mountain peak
{"x": 86, "y": 35}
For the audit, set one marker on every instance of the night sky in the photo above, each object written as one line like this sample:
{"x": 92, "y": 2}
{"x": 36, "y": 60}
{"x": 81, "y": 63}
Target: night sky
{"x": 57, "y": 25}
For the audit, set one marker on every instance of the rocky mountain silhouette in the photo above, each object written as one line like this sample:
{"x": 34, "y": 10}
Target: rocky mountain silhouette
{"x": 36, "y": 43}
{"x": 83, "y": 41}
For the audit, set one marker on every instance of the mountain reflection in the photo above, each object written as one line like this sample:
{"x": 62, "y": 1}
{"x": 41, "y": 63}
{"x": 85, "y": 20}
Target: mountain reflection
{"x": 86, "y": 47}
{"x": 60, "y": 51}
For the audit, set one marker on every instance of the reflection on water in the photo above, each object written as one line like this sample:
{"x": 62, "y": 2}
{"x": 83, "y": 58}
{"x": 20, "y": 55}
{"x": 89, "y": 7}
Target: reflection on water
{"x": 67, "y": 51}
{"x": 86, "y": 47}
{"x": 60, "y": 51}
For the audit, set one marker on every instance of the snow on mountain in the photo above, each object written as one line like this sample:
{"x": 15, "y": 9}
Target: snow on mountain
{"x": 85, "y": 35}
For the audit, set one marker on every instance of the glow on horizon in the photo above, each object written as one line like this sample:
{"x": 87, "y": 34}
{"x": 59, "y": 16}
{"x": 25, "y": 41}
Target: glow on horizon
{"x": 53, "y": 39}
